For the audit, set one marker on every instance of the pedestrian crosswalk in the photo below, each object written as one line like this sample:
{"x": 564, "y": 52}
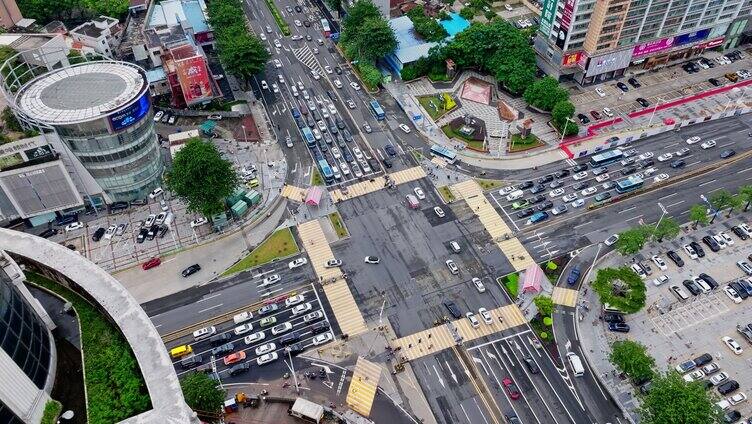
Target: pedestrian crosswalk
{"x": 306, "y": 57}
{"x": 566, "y": 297}
{"x": 365, "y": 381}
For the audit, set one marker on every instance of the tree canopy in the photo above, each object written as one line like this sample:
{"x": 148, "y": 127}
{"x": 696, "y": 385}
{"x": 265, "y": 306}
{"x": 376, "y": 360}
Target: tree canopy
{"x": 668, "y": 228}
{"x": 203, "y": 395}
{"x": 698, "y": 214}
{"x": 672, "y": 400}
{"x": 544, "y": 304}
{"x": 632, "y": 240}
{"x": 240, "y": 51}
{"x": 561, "y": 118}
{"x": 745, "y": 195}
{"x": 201, "y": 177}
{"x": 621, "y": 288}
{"x": 426, "y": 27}
{"x": 72, "y": 11}
{"x": 722, "y": 199}
{"x": 545, "y": 94}
{"x": 632, "y": 359}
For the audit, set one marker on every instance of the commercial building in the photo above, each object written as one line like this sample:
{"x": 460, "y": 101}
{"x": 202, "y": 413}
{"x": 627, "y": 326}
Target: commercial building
{"x": 9, "y": 13}
{"x": 102, "y": 35}
{"x": 589, "y": 41}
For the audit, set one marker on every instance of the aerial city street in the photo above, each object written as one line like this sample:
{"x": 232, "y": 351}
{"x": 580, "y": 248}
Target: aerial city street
{"x": 372, "y": 211}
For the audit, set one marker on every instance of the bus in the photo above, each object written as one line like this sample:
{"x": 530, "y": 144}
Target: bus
{"x": 325, "y": 28}
{"x": 605, "y": 158}
{"x": 445, "y": 153}
{"x": 326, "y": 170}
{"x": 308, "y": 135}
{"x": 633, "y": 182}
{"x": 378, "y": 112}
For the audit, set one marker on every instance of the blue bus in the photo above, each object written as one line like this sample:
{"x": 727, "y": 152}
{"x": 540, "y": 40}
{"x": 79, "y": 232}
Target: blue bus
{"x": 633, "y": 182}
{"x": 378, "y": 112}
{"x": 445, "y": 153}
{"x": 605, "y": 158}
{"x": 308, "y": 135}
{"x": 326, "y": 170}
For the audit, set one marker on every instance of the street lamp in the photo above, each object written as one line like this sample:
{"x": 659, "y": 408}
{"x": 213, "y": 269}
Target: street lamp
{"x": 652, "y": 115}
{"x": 663, "y": 213}
{"x": 715, "y": 212}
{"x": 564, "y": 131}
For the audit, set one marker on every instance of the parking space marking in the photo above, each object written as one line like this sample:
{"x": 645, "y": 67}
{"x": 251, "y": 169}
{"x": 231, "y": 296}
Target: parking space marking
{"x": 566, "y": 297}
{"x": 687, "y": 315}
{"x": 363, "y": 386}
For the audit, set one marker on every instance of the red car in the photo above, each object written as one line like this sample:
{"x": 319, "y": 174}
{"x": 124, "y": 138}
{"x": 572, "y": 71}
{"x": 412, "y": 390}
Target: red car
{"x": 511, "y": 388}
{"x": 151, "y": 263}
{"x": 595, "y": 114}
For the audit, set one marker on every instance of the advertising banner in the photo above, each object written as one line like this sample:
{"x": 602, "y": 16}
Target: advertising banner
{"x": 566, "y": 17}
{"x": 573, "y": 59}
{"x": 692, "y": 37}
{"x": 195, "y": 80}
{"x": 41, "y": 152}
{"x": 653, "y": 46}
{"x": 608, "y": 62}
{"x": 131, "y": 114}
{"x": 548, "y": 13}
{"x": 712, "y": 43}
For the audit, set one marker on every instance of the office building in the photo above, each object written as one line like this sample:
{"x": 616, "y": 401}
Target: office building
{"x": 589, "y": 41}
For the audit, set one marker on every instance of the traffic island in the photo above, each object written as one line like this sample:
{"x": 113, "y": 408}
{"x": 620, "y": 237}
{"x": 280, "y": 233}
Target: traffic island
{"x": 338, "y": 225}
{"x": 518, "y": 143}
{"x": 281, "y": 244}
{"x": 446, "y": 194}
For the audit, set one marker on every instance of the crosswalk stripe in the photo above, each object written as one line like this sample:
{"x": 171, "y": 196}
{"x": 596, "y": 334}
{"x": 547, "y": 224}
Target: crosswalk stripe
{"x": 306, "y": 57}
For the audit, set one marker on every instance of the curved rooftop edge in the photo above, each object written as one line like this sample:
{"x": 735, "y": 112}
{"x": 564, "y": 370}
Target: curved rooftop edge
{"x": 156, "y": 367}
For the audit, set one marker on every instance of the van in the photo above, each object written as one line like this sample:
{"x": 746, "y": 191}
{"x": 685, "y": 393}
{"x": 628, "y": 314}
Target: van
{"x": 412, "y": 201}
{"x": 182, "y": 350}
{"x": 515, "y": 195}
{"x": 455, "y": 246}
{"x": 576, "y": 364}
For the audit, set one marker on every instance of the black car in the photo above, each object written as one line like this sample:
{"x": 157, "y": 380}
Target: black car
{"x": 220, "y": 339}
{"x": 320, "y": 327}
{"x": 296, "y": 348}
{"x": 191, "y": 270}
{"x": 583, "y": 119}
{"x": 562, "y": 173}
{"x": 162, "y": 230}
{"x": 240, "y": 368}
{"x": 191, "y": 361}
{"x": 634, "y": 83}
{"x": 580, "y": 167}
{"x": 623, "y": 87}
{"x": 536, "y": 199}
{"x": 307, "y": 23}
{"x": 601, "y": 170}
{"x": 692, "y": 287}
{"x": 98, "y": 234}
{"x": 646, "y": 163}
{"x": 703, "y": 359}
{"x": 698, "y": 249}
{"x": 708, "y": 279}
{"x": 737, "y": 230}
{"x": 223, "y": 349}
{"x": 118, "y": 206}
{"x": 545, "y": 179}
{"x": 346, "y": 154}
{"x": 613, "y": 317}
{"x": 581, "y": 185}
{"x": 537, "y": 188}
{"x": 142, "y": 233}
{"x": 531, "y": 365}
{"x": 289, "y": 339}
{"x": 298, "y": 9}
{"x": 678, "y": 164}
{"x": 340, "y": 123}
{"x": 324, "y": 148}
{"x": 347, "y": 136}
{"x": 66, "y": 219}
{"x": 714, "y": 82}
{"x": 338, "y": 70}
{"x": 739, "y": 289}
{"x": 600, "y": 197}
{"x": 373, "y": 163}
{"x": 675, "y": 258}
{"x": 628, "y": 170}
{"x": 544, "y": 206}
{"x": 153, "y": 231}
{"x": 525, "y": 213}
{"x": 711, "y": 243}
{"x": 389, "y": 149}
{"x": 526, "y": 185}
{"x": 727, "y": 153}
{"x": 728, "y": 387}
{"x": 48, "y": 232}
{"x": 453, "y": 309}
{"x": 731, "y": 416}
{"x": 618, "y": 327}
{"x": 387, "y": 163}
{"x": 643, "y": 102}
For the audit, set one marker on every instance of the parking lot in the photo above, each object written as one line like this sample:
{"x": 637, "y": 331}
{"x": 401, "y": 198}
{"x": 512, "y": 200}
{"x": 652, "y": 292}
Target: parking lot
{"x": 676, "y": 330}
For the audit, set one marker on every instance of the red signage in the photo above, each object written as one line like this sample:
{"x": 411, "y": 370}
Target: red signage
{"x": 573, "y": 59}
{"x": 195, "y": 80}
{"x": 712, "y": 43}
{"x": 566, "y": 17}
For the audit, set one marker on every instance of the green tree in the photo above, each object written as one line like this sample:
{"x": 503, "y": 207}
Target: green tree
{"x": 356, "y": 16}
{"x": 621, "y": 288}
{"x": 668, "y": 229}
{"x": 243, "y": 55}
{"x": 467, "y": 13}
{"x": 335, "y": 5}
{"x": 545, "y": 93}
{"x": 370, "y": 75}
{"x": 375, "y": 40}
{"x": 632, "y": 240}
{"x": 699, "y": 214}
{"x": 745, "y": 195}
{"x": 672, "y": 400}
{"x": 632, "y": 359}
{"x": 443, "y": 16}
{"x": 490, "y": 14}
{"x": 7, "y": 52}
{"x": 722, "y": 199}
{"x": 9, "y": 120}
{"x": 203, "y": 395}
{"x": 426, "y": 27}
{"x": 544, "y": 304}
{"x": 561, "y": 118}
{"x": 201, "y": 177}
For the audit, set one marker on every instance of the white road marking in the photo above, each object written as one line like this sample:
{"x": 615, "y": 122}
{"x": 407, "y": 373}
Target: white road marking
{"x": 706, "y": 183}
{"x": 210, "y": 308}
{"x": 628, "y": 209}
{"x": 209, "y": 297}
{"x": 677, "y": 203}
{"x": 633, "y": 218}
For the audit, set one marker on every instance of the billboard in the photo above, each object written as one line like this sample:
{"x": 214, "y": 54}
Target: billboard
{"x": 131, "y": 114}
{"x": 712, "y": 43}
{"x": 653, "y": 46}
{"x": 573, "y": 59}
{"x": 34, "y": 190}
{"x": 548, "y": 13}
{"x": 609, "y": 62}
{"x": 692, "y": 37}
{"x": 566, "y": 17}
{"x": 41, "y": 152}
{"x": 194, "y": 79}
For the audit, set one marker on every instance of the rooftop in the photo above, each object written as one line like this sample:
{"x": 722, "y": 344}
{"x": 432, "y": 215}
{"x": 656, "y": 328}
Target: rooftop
{"x": 173, "y": 12}
{"x": 409, "y": 46}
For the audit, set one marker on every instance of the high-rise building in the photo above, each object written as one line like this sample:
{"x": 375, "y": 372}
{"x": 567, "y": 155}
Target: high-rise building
{"x": 589, "y": 41}
{"x": 9, "y": 13}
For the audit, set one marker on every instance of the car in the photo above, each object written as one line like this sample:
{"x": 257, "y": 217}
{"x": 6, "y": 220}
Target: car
{"x": 708, "y": 144}
{"x": 49, "y": 233}
{"x": 98, "y": 234}
{"x": 562, "y": 173}
{"x": 583, "y": 118}
{"x": 453, "y": 309}
{"x": 685, "y": 367}
{"x": 545, "y": 179}
{"x": 740, "y": 232}
{"x": 151, "y": 263}
{"x": 569, "y": 197}
{"x": 297, "y": 263}
{"x": 223, "y": 349}
{"x": 510, "y": 388}
{"x": 322, "y": 339}
{"x": 294, "y": 300}
{"x": 580, "y": 175}
{"x": 595, "y": 114}
{"x": 678, "y": 292}
{"x": 556, "y": 193}
{"x": 404, "y": 128}
{"x": 158, "y": 116}
{"x": 693, "y": 140}
{"x": 675, "y": 258}
{"x": 732, "y": 345}
{"x": 268, "y": 309}
{"x": 588, "y": 191}
{"x": 439, "y": 212}
{"x": 267, "y": 358}
{"x": 711, "y": 243}
{"x": 727, "y": 153}
{"x": 452, "y": 267}
{"x": 268, "y": 281}
{"x": 659, "y": 262}
{"x": 714, "y": 82}
{"x": 731, "y": 417}
{"x": 485, "y": 316}
{"x": 233, "y": 358}
{"x": 191, "y": 270}
{"x": 600, "y": 92}
{"x": 660, "y": 280}
{"x": 559, "y": 209}
{"x": 643, "y": 102}
{"x": 537, "y": 188}
{"x": 479, "y": 285}
{"x": 332, "y": 263}
{"x": 608, "y": 112}
{"x": 355, "y": 85}
{"x": 166, "y": 117}
{"x": 682, "y": 152}
{"x": 525, "y": 213}
{"x": 265, "y": 348}
{"x": 75, "y": 226}
{"x": 603, "y": 177}
{"x": 621, "y": 86}
{"x": 726, "y": 238}
{"x": 473, "y": 320}
{"x": 666, "y": 156}
{"x": 660, "y": 177}
{"x": 611, "y": 240}
{"x": 710, "y": 368}
{"x": 281, "y": 328}
{"x": 728, "y": 387}
{"x": 313, "y": 316}
{"x": 328, "y": 69}
{"x": 737, "y": 398}
{"x": 678, "y": 164}
{"x": 302, "y": 308}
{"x": 277, "y": 44}
{"x": 718, "y": 378}
{"x": 371, "y": 260}
{"x": 693, "y": 376}
{"x": 306, "y": 23}
{"x": 242, "y": 329}
{"x": 693, "y": 287}
{"x": 732, "y": 294}
{"x": 390, "y": 150}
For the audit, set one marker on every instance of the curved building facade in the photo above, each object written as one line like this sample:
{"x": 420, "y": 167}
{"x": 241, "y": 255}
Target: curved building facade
{"x": 102, "y": 113}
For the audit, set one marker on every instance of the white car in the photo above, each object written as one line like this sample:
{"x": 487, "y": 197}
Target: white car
{"x": 294, "y": 300}
{"x": 315, "y": 75}
{"x": 262, "y": 36}
{"x": 358, "y": 154}
{"x": 266, "y": 348}
{"x": 328, "y": 69}
{"x": 265, "y": 359}
{"x": 711, "y": 368}
{"x": 721, "y": 242}
{"x": 479, "y": 285}
{"x": 473, "y": 320}
{"x": 600, "y": 92}
{"x": 313, "y": 316}
{"x": 646, "y": 155}
{"x": 660, "y": 263}
{"x": 718, "y": 378}
{"x": 664, "y": 157}
{"x": 355, "y": 85}
{"x": 603, "y": 177}
{"x": 690, "y": 251}
{"x": 350, "y": 104}
{"x": 682, "y": 152}
{"x": 485, "y": 315}
{"x": 452, "y": 267}
{"x": 302, "y": 308}
{"x": 569, "y": 197}
{"x": 264, "y": 85}
{"x": 156, "y": 192}
{"x": 110, "y": 232}
{"x": 578, "y": 203}
{"x": 737, "y": 398}
{"x": 660, "y": 177}
{"x": 298, "y": 23}
{"x": 611, "y": 240}
{"x": 372, "y": 260}
{"x": 74, "y": 226}
{"x": 506, "y": 190}
{"x": 277, "y": 44}
{"x": 639, "y": 270}
{"x": 281, "y": 328}
{"x": 199, "y": 222}
{"x": 588, "y": 191}
{"x": 439, "y": 212}
{"x": 404, "y": 128}
{"x": 708, "y": 144}
{"x": 297, "y": 263}
{"x": 693, "y": 140}
{"x": 650, "y": 171}
{"x": 322, "y": 339}
{"x": 242, "y": 317}
{"x": 332, "y": 108}
{"x": 419, "y": 193}
{"x": 242, "y": 329}
{"x": 556, "y": 193}
{"x": 608, "y": 112}
{"x": 158, "y": 116}
{"x": 694, "y": 376}
{"x": 732, "y": 345}
{"x": 580, "y": 175}
{"x": 746, "y": 229}
{"x": 270, "y": 280}
{"x": 660, "y": 280}
{"x": 150, "y": 220}
{"x": 277, "y": 63}
{"x": 332, "y": 263}
{"x": 336, "y": 153}
{"x": 275, "y": 87}
{"x": 732, "y": 294}
{"x": 337, "y": 83}
{"x": 255, "y": 337}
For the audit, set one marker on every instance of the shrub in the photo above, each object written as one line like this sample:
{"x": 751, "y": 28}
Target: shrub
{"x": 490, "y": 15}
{"x": 409, "y": 72}
{"x": 370, "y": 75}
{"x": 621, "y": 288}
{"x": 467, "y": 13}
{"x": 548, "y": 321}
{"x": 443, "y": 16}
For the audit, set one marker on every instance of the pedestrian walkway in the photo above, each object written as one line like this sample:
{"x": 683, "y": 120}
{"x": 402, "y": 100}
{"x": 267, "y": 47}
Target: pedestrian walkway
{"x": 566, "y": 297}
{"x": 363, "y": 386}
{"x": 441, "y": 163}
{"x": 293, "y": 192}
{"x": 335, "y": 287}
{"x": 306, "y": 57}
{"x": 438, "y": 338}
{"x": 509, "y": 245}
{"x": 375, "y": 184}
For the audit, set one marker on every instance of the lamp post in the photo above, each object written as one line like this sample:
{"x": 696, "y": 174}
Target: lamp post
{"x": 564, "y": 131}
{"x": 663, "y": 213}
{"x": 715, "y": 212}
{"x": 652, "y": 115}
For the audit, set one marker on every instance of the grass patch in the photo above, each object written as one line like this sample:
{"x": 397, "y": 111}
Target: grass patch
{"x": 446, "y": 194}
{"x": 487, "y": 184}
{"x": 338, "y": 225}
{"x": 279, "y": 245}
{"x": 433, "y": 106}
{"x": 473, "y": 144}
{"x": 520, "y": 144}
{"x": 114, "y": 385}
{"x": 51, "y": 411}
{"x": 510, "y": 283}
{"x": 316, "y": 179}
{"x": 417, "y": 155}
{"x": 278, "y": 18}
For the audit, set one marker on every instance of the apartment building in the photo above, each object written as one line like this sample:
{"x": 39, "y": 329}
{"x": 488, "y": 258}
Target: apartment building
{"x": 590, "y": 41}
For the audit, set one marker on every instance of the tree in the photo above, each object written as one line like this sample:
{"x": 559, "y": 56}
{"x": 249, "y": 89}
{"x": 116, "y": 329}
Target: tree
{"x": 621, "y": 288}
{"x": 203, "y": 395}
{"x": 561, "y": 118}
{"x": 426, "y": 27}
{"x": 370, "y": 75}
{"x": 9, "y": 120}
{"x": 243, "y": 55}
{"x": 745, "y": 195}
{"x": 632, "y": 359}
{"x": 722, "y": 199}
{"x": 443, "y": 16}
{"x": 201, "y": 177}
{"x": 335, "y": 5}
{"x": 668, "y": 228}
{"x": 356, "y": 15}
{"x": 632, "y": 240}
{"x": 699, "y": 214}
{"x": 467, "y": 13}
{"x": 671, "y": 400}
{"x": 545, "y": 93}
{"x": 544, "y": 304}
{"x": 375, "y": 40}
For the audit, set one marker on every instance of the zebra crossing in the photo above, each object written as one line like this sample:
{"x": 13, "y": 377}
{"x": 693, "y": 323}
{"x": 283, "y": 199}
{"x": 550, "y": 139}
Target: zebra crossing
{"x": 306, "y": 57}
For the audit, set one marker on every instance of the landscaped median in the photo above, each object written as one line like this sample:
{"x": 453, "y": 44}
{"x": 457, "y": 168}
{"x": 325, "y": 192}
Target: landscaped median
{"x": 280, "y": 244}
{"x": 338, "y": 225}
{"x": 278, "y": 18}
{"x": 519, "y": 143}
{"x": 446, "y": 194}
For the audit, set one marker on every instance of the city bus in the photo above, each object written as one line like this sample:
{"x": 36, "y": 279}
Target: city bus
{"x": 633, "y": 182}
{"x": 326, "y": 171}
{"x": 378, "y": 112}
{"x": 308, "y": 135}
{"x": 605, "y": 158}
{"x": 445, "y": 153}
{"x": 325, "y": 28}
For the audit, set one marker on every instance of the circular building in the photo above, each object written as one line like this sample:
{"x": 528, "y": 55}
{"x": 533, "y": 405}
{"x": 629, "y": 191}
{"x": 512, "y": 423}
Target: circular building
{"x": 102, "y": 112}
